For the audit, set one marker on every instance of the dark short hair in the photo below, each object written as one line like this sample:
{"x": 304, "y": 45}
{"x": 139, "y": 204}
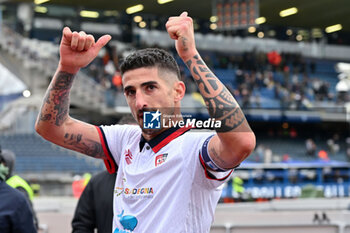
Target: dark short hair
{"x": 150, "y": 57}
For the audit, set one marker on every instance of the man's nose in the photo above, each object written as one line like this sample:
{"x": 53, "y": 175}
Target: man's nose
{"x": 140, "y": 100}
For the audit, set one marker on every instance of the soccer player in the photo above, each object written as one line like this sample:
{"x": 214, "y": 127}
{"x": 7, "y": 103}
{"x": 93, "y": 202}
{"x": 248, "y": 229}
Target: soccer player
{"x": 169, "y": 179}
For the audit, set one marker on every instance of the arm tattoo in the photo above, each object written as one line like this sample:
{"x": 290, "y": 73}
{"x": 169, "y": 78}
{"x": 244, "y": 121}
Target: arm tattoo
{"x": 217, "y": 159}
{"x": 56, "y": 102}
{"x": 220, "y": 102}
{"x": 85, "y": 146}
{"x": 45, "y": 117}
{"x": 184, "y": 43}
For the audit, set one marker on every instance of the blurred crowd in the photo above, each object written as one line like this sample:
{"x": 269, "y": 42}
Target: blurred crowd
{"x": 313, "y": 148}
{"x": 285, "y": 75}
{"x": 288, "y": 77}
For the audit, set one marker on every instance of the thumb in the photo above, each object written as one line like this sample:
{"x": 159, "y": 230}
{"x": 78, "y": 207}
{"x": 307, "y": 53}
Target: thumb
{"x": 102, "y": 41}
{"x": 184, "y": 14}
{"x": 67, "y": 34}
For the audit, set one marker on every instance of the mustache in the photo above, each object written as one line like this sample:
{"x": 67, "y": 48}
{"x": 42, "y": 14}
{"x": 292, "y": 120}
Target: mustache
{"x": 141, "y": 111}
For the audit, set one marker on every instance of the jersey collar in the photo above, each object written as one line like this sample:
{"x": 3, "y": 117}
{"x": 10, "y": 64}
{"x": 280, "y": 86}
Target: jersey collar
{"x": 163, "y": 138}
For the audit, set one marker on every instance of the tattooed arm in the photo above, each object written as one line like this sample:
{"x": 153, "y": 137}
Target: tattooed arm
{"x": 235, "y": 140}
{"x": 54, "y": 123}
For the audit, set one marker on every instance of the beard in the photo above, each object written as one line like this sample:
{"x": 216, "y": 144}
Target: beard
{"x": 152, "y": 131}
{"x": 166, "y": 112}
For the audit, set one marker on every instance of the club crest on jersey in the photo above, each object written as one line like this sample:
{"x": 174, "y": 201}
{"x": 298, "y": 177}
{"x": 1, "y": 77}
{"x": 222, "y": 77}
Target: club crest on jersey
{"x": 128, "y": 157}
{"x": 160, "y": 159}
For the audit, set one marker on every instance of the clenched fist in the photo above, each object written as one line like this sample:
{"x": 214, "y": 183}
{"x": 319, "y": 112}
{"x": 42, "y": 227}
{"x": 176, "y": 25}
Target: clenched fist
{"x": 77, "y": 50}
{"x": 180, "y": 28}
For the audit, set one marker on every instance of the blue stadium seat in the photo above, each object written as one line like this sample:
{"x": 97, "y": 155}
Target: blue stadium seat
{"x": 36, "y": 155}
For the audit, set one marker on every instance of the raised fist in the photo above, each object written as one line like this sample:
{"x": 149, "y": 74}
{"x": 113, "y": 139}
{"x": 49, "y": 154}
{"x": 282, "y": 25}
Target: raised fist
{"x": 180, "y": 28}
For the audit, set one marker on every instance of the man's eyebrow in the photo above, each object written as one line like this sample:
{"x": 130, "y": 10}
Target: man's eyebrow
{"x": 142, "y": 85}
{"x": 128, "y": 88}
{"x": 148, "y": 83}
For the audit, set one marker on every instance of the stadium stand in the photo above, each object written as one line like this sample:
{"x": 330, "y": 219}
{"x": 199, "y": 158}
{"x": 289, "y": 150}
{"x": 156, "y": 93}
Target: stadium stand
{"x": 42, "y": 57}
{"x": 266, "y": 81}
{"x": 35, "y": 155}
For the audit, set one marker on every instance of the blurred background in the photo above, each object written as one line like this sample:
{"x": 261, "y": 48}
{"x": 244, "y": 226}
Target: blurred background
{"x": 286, "y": 62}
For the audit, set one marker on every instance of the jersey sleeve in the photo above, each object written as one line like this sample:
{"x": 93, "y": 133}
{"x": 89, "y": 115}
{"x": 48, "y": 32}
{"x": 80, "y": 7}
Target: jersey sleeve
{"x": 112, "y": 138}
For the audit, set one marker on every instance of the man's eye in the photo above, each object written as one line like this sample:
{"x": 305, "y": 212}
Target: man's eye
{"x": 151, "y": 87}
{"x": 130, "y": 92}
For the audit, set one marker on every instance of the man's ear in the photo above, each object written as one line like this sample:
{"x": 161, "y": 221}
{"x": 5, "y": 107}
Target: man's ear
{"x": 179, "y": 89}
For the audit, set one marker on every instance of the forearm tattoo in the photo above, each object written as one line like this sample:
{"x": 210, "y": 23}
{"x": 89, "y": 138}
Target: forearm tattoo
{"x": 85, "y": 146}
{"x": 55, "y": 111}
{"x": 220, "y": 102}
{"x": 56, "y": 103}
